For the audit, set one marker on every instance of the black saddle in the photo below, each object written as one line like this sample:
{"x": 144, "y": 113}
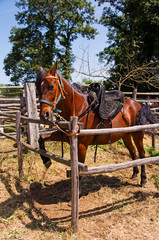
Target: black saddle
{"x": 107, "y": 104}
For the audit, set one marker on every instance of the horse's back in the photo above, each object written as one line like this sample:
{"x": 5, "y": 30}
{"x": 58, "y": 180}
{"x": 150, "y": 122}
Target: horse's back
{"x": 128, "y": 115}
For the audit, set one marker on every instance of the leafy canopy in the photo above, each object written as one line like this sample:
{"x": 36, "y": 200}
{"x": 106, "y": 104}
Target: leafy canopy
{"x": 46, "y": 33}
{"x": 133, "y": 39}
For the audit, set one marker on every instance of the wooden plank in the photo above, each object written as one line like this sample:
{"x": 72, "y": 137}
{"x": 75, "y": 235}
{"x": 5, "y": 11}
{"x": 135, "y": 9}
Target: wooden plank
{"x": 19, "y": 144}
{"x": 74, "y": 175}
{"x": 8, "y": 136}
{"x": 148, "y": 93}
{"x": 146, "y": 100}
{"x": 117, "y": 130}
{"x": 30, "y": 120}
{"x": 33, "y": 129}
{"x": 53, "y": 156}
{"x": 10, "y": 94}
{"x": 7, "y": 125}
{"x": 50, "y": 155}
{"x": 7, "y": 115}
{"x": 8, "y": 151}
{"x": 119, "y": 166}
{"x": 61, "y": 124}
{"x": 11, "y": 99}
{"x": 142, "y": 93}
{"x": 6, "y": 105}
{"x": 12, "y": 87}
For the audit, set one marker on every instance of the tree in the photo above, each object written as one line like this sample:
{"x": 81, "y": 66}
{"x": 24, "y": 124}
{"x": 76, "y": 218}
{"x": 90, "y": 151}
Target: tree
{"x": 133, "y": 39}
{"x": 48, "y": 28}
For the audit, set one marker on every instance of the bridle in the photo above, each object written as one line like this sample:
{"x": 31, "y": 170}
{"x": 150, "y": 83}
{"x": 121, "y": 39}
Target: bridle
{"x": 61, "y": 96}
{"x": 56, "y": 101}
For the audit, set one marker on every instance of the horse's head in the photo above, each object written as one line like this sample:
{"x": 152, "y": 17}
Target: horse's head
{"x": 49, "y": 86}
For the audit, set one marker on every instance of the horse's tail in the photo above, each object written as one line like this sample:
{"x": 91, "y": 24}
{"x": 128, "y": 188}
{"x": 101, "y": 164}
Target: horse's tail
{"x": 145, "y": 116}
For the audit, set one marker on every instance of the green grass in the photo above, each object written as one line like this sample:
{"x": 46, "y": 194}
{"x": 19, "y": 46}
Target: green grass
{"x": 151, "y": 151}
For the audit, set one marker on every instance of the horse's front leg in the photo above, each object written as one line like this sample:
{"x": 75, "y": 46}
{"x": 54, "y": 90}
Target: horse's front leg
{"x": 47, "y": 162}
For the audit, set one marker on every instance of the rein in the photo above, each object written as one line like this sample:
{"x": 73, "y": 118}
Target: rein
{"x": 90, "y": 107}
{"x": 68, "y": 134}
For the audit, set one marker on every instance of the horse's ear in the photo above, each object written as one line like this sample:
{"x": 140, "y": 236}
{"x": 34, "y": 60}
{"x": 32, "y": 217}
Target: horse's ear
{"x": 41, "y": 69}
{"x": 54, "y": 69}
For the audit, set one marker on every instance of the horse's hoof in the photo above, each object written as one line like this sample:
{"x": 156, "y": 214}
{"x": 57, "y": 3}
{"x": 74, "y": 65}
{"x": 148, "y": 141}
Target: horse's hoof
{"x": 143, "y": 182}
{"x": 134, "y": 175}
{"x": 48, "y": 164}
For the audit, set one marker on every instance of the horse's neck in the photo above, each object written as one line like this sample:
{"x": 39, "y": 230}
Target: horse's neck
{"x": 74, "y": 103}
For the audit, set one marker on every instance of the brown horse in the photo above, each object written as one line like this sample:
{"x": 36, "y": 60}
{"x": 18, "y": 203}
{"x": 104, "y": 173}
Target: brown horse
{"x": 56, "y": 94}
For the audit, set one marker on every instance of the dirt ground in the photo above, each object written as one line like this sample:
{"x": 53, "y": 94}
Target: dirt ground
{"x": 112, "y": 206}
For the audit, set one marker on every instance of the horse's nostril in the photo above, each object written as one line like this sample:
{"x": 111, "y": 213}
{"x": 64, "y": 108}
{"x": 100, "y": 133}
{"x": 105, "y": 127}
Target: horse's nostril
{"x": 46, "y": 115}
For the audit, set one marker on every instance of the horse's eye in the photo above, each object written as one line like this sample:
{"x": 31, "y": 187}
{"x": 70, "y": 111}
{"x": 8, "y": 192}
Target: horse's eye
{"x": 51, "y": 87}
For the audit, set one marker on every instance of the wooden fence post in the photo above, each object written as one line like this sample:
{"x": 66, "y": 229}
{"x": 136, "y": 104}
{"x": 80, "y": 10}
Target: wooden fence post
{"x": 19, "y": 144}
{"x": 134, "y": 95}
{"x": 74, "y": 175}
{"x": 153, "y": 141}
{"x": 33, "y": 128}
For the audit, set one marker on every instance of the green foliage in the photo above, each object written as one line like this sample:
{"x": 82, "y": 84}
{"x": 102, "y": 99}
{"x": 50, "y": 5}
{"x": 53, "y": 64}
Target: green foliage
{"x": 156, "y": 180}
{"x": 87, "y": 80}
{"x": 121, "y": 142}
{"x": 152, "y": 152}
{"x": 47, "y": 31}
{"x": 123, "y": 207}
{"x": 133, "y": 38}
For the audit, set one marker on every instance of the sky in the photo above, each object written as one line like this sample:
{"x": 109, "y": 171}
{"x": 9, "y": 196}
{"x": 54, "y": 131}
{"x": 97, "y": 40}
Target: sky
{"x": 83, "y": 49}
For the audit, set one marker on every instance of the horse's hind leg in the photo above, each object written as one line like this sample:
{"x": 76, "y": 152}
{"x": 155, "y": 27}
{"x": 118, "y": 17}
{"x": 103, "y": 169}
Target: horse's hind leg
{"x": 129, "y": 145}
{"x": 138, "y": 140}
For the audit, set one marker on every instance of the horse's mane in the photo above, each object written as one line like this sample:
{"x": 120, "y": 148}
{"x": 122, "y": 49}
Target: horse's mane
{"x": 77, "y": 87}
{"x": 40, "y": 76}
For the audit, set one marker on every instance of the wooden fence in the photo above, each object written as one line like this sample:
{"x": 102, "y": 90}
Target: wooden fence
{"x": 24, "y": 99}
{"x": 77, "y": 168}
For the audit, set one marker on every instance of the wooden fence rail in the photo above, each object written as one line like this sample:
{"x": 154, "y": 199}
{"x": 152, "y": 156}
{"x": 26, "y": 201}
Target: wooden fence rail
{"x": 117, "y": 130}
{"x": 118, "y": 166}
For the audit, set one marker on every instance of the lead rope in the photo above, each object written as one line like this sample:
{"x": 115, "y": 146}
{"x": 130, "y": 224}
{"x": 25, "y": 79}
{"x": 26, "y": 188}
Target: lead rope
{"x": 68, "y": 134}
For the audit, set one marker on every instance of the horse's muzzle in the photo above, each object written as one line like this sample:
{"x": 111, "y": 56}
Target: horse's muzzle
{"x": 47, "y": 115}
